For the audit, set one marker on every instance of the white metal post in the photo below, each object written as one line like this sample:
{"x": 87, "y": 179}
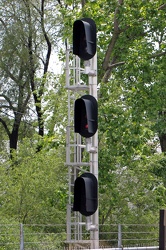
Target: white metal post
{"x": 21, "y": 237}
{"x": 119, "y": 235}
{"x": 94, "y": 155}
{"x": 75, "y": 145}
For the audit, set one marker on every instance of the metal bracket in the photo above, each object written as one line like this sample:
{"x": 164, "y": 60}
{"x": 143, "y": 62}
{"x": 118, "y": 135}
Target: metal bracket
{"x": 89, "y": 147}
{"x": 89, "y": 225}
{"x": 88, "y": 71}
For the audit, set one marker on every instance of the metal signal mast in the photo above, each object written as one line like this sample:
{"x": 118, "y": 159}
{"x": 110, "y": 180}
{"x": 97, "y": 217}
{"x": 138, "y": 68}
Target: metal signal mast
{"x": 82, "y": 137}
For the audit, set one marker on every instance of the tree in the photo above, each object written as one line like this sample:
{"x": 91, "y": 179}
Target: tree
{"x": 131, "y": 76}
{"x": 131, "y": 53}
{"x": 37, "y": 193}
{"x": 24, "y": 62}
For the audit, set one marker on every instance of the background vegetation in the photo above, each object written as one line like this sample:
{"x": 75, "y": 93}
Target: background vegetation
{"x": 131, "y": 51}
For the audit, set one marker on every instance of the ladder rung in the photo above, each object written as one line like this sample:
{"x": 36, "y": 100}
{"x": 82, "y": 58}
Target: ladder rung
{"x": 77, "y": 87}
{"x": 74, "y": 164}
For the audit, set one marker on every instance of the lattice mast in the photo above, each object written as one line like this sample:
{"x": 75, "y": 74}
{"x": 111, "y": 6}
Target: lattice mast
{"x": 81, "y": 153}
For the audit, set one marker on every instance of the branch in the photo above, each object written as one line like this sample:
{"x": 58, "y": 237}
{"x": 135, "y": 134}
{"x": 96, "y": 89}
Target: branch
{"x": 26, "y": 102}
{"x": 5, "y": 127}
{"x": 83, "y": 3}
{"x": 114, "y": 38}
{"x": 108, "y": 71}
{"x": 46, "y": 63}
{"x": 38, "y": 10}
{"x": 158, "y": 54}
{"x": 46, "y": 38}
{"x": 8, "y": 100}
{"x": 163, "y": 6}
{"x": 60, "y": 3}
{"x": 4, "y": 25}
{"x": 114, "y": 65}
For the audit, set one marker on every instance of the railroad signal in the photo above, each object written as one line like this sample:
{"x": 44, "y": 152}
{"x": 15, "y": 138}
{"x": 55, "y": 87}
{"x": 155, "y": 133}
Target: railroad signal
{"x": 86, "y": 116}
{"x": 86, "y": 194}
{"x": 84, "y": 38}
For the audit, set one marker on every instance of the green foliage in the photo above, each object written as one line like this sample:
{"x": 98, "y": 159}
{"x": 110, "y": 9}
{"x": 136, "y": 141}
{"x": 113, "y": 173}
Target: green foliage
{"x": 35, "y": 185}
{"x": 129, "y": 104}
{"x": 133, "y": 193}
{"x": 132, "y": 108}
{"x": 10, "y": 234}
{"x": 55, "y": 105}
{"x": 34, "y": 236}
{"x": 43, "y": 237}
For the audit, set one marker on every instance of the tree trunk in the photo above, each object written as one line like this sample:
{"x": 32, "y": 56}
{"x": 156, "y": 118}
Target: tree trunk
{"x": 13, "y": 140}
{"x": 162, "y": 138}
{"x": 13, "y": 137}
